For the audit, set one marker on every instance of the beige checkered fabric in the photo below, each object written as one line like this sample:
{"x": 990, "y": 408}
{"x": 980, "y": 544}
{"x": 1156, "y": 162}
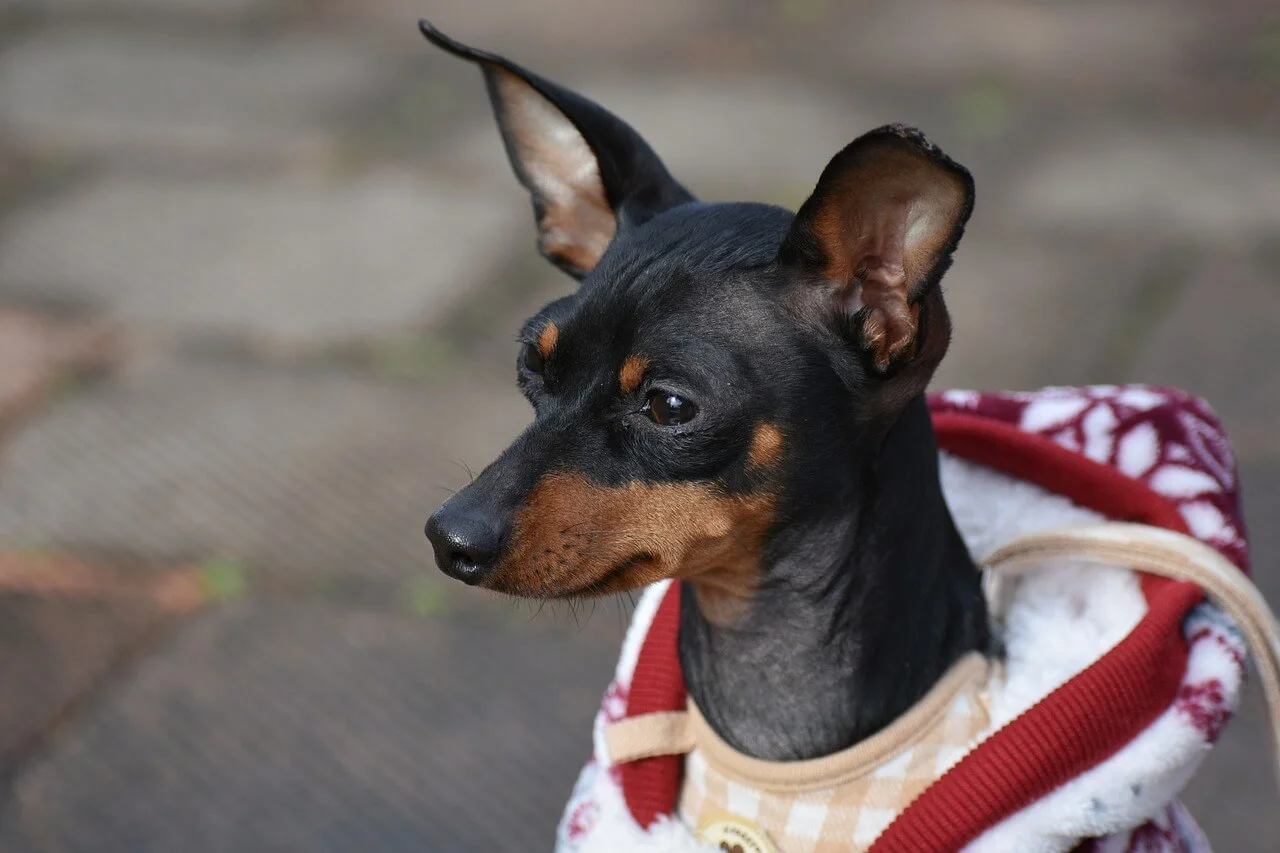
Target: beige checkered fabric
{"x": 842, "y": 802}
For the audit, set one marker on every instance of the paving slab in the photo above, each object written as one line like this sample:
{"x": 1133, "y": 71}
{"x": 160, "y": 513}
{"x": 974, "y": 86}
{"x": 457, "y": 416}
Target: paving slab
{"x": 1029, "y": 312}
{"x": 160, "y": 92}
{"x": 1220, "y": 340}
{"x": 38, "y": 351}
{"x": 609, "y": 29}
{"x": 296, "y": 727}
{"x": 51, "y": 652}
{"x": 65, "y": 628}
{"x": 304, "y": 475}
{"x": 1119, "y": 44}
{"x": 198, "y": 9}
{"x": 1204, "y": 184}
{"x": 288, "y": 263}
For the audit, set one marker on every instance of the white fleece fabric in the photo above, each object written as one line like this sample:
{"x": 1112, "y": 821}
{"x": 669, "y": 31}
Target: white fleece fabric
{"x": 1060, "y": 619}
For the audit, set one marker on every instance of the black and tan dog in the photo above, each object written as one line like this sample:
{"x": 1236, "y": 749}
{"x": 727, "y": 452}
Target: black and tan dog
{"x": 733, "y": 396}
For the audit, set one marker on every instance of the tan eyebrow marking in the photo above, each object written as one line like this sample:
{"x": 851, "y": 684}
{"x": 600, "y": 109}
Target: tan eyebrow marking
{"x": 632, "y": 372}
{"x": 766, "y": 446}
{"x": 547, "y": 339}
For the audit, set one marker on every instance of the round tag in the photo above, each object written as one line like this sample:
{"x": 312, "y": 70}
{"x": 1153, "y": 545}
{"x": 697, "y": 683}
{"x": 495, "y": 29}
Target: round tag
{"x": 734, "y": 835}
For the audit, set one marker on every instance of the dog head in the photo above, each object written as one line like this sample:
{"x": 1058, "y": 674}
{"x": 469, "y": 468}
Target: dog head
{"x": 718, "y": 365}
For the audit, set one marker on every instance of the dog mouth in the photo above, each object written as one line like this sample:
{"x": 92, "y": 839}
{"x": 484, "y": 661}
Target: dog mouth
{"x": 619, "y": 577}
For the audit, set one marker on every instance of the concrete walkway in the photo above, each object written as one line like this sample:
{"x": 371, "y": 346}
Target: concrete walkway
{"x": 261, "y": 262}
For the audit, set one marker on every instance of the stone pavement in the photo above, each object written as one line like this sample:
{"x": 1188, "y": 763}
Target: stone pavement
{"x": 261, "y": 262}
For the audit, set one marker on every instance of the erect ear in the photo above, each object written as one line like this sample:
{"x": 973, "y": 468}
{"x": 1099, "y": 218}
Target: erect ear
{"x": 877, "y": 234}
{"x": 589, "y": 173}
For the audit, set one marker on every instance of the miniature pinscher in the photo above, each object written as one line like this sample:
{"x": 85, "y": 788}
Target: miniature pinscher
{"x": 733, "y": 396}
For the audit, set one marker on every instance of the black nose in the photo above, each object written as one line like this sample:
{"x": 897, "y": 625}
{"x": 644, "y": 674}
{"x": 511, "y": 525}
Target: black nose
{"x": 466, "y": 543}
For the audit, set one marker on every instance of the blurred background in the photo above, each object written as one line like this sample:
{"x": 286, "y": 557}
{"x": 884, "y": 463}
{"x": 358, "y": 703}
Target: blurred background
{"x": 261, "y": 266}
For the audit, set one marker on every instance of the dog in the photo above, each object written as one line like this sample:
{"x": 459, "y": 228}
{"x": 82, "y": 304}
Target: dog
{"x": 734, "y": 397}
{"x": 731, "y": 406}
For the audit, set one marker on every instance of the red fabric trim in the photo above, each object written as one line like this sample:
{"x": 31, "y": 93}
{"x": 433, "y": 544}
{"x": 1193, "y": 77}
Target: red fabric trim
{"x": 1064, "y": 734}
{"x": 1074, "y": 728}
{"x": 650, "y": 785}
{"x": 1036, "y": 459}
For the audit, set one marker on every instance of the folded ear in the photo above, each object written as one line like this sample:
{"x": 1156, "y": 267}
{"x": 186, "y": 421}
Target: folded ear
{"x": 589, "y": 173}
{"x": 877, "y": 234}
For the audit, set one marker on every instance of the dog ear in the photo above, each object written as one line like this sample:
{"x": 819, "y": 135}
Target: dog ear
{"x": 589, "y": 173}
{"x": 877, "y": 234}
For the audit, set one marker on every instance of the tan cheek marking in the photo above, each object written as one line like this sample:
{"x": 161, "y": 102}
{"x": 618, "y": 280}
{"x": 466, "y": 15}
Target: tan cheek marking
{"x": 575, "y": 537}
{"x": 547, "y": 340}
{"x": 766, "y": 446}
{"x": 632, "y": 372}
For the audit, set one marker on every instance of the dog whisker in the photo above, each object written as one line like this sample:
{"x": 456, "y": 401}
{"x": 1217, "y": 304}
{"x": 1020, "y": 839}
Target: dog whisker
{"x": 465, "y": 468}
{"x": 538, "y": 611}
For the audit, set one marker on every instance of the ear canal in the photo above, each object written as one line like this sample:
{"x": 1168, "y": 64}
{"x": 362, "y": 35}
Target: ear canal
{"x": 589, "y": 174}
{"x": 881, "y": 226}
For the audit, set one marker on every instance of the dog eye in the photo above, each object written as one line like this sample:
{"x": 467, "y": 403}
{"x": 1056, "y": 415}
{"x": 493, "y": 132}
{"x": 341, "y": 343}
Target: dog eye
{"x": 667, "y": 409}
{"x": 532, "y": 359}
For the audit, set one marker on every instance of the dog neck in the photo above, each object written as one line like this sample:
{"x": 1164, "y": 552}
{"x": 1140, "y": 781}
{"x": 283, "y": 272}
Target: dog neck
{"x": 864, "y": 605}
